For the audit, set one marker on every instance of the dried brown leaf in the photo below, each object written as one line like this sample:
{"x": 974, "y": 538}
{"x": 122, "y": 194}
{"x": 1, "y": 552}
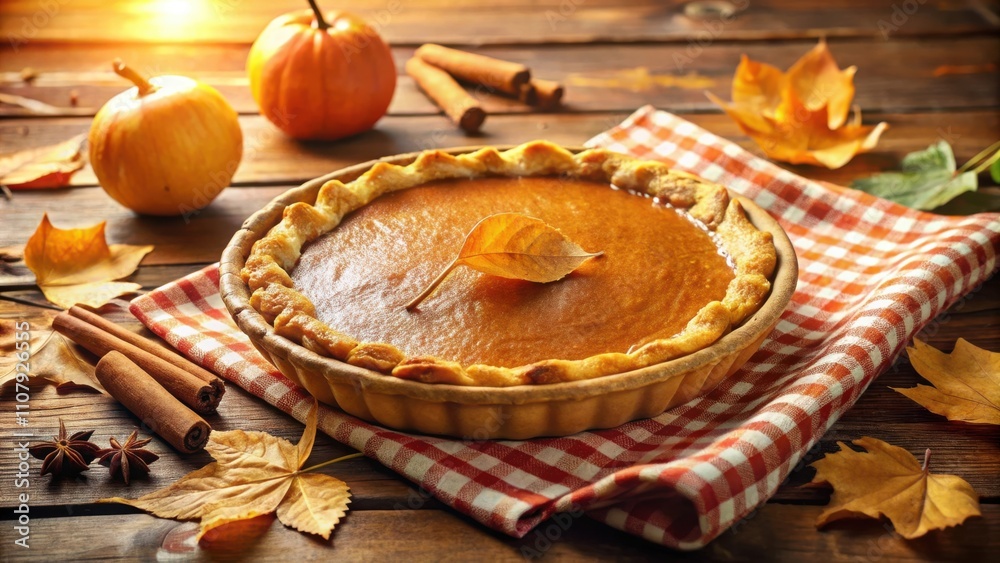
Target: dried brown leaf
{"x": 51, "y": 358}
{"x": 966, "y": 383}
{"x": 45, "y": 167}
{"x": 888, "y": 481}
{"x": 254, "y": 473}
{"x": 515, "y": 246}
{"x": 76, "y": 266}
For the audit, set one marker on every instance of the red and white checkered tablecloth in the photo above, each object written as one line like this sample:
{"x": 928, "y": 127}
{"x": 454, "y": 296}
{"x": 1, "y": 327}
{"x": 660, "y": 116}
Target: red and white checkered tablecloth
{"x": 872, "y": 273}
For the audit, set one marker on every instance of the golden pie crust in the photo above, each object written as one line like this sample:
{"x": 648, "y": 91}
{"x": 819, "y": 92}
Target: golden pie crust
{"x": 293, "y": 315}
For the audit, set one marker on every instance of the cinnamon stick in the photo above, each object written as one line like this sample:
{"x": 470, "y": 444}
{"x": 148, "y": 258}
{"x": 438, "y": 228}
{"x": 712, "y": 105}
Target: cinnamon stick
{"x": 149, "y": 346}
{"x": 192, "y": 391}
{"x": 544, "y": 93}
{"x": 462, "y": 108}
{"x": 528, "y": 95}
{"x": 505, "y": 76}
{"x": 158, "y": 409}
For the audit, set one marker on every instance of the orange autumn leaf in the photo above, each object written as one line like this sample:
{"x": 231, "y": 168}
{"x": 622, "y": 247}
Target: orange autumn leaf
{"x": 76, "y": 266}
{"x": 45, "y": 167}
{"x": 966, "y": 383}
{"x": 817, "y": 82}
{"x": 515, "y": 246}
{"x": 888, "y": 481}
{"x": 254, "y": 473}
{"x": 801, "y": 116}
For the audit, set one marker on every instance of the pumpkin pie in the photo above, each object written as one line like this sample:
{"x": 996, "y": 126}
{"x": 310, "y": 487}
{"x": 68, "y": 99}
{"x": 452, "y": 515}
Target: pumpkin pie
{"x": 681, "y": 266}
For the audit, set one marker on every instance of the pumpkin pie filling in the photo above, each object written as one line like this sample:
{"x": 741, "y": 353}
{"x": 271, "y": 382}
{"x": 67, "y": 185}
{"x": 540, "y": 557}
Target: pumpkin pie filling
{"x": 659, "y": 268}
{"x": 334, "y": 275}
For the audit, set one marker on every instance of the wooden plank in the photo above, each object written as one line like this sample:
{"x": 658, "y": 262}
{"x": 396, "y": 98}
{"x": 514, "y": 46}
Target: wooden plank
{"x": 774, "y": 533}
{"x": 412, "y": 23}
{"x": 597, "y": 77}
{"x": 211, "y": 228}
{"x": 268, "y": 152}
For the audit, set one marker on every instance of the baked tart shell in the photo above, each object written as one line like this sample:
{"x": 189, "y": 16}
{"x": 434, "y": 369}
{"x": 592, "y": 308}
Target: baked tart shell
{"x": 516, "y": 412}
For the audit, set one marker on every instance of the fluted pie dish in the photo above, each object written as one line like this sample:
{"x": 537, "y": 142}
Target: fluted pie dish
{"x": 689, "y": 282}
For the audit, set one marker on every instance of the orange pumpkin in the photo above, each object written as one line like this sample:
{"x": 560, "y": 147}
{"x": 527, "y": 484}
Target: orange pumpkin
{"x": 319, "y": 77}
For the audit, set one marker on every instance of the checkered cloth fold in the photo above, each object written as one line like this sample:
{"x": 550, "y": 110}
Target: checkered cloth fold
{"x": 872, "y": 274}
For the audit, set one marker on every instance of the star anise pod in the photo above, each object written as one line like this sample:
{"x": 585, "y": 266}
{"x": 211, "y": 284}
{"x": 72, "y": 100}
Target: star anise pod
{"x": 125, "y": 460}
{"x": 66, "y": 456}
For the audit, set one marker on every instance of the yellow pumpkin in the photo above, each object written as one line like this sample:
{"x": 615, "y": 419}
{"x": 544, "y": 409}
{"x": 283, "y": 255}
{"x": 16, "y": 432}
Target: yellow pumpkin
{"x": 168, "y": 146}
{"x": 321, "y": 77}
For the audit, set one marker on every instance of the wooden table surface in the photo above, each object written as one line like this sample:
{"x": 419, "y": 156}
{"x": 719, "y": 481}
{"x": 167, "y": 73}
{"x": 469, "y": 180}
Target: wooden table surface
{"x": 932, "y": 77}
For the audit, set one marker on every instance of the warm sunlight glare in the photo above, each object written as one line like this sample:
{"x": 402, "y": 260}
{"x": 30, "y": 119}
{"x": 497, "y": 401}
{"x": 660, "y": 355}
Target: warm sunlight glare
{"x": 177, "y": 19}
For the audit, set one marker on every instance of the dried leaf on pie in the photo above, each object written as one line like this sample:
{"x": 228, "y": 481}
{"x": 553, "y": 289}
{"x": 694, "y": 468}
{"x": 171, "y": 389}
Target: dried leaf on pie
{"x": 800, "y": 116}
{"x": 44, "y": 167}
{"x": 515, "y": 246}
{"x": 76, "y": 266}
{"x": 965, "y": 385}
{"x": 50, "y": 358}
{"x": 254, "y": 473}
{"x": 888, "y": 481}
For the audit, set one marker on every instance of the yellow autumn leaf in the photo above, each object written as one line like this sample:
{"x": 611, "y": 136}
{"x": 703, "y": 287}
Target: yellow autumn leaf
{"x": 801, "y": 116}
{"x": 254, "y": 473}
{"x": 76, "y": 266}
{"x": 966, "y": 383}
{"x": 888, "y": 481}
{"x": 515, "y": 246}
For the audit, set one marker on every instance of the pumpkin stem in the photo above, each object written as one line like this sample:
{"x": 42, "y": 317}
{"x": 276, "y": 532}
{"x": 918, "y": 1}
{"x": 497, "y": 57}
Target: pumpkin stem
{"x": 127, "y": 72}
{"x": 320, "y": 21}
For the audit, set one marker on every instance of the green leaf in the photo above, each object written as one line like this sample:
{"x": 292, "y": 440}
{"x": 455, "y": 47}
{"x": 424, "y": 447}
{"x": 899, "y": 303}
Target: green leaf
{"x": 995, "y": 171}
{"x": 934, "y": 158}
{"x": 926, "y": 182}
